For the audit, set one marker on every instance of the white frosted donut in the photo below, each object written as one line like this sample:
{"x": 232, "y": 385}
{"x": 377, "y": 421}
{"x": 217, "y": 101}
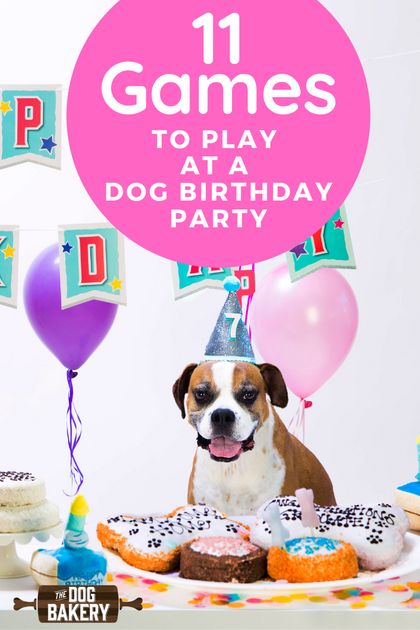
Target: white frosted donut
{"x": 375, "y": 531}
{"x": 20, "y": 488}
{"x": 29, "y": 518}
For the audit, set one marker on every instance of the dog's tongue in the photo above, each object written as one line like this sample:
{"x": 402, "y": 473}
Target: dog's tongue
{"x": 224, "y": 447}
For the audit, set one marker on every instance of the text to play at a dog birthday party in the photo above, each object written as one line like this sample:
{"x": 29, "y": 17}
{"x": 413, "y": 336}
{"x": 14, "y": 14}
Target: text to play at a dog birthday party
{"x": 223, "y": 191}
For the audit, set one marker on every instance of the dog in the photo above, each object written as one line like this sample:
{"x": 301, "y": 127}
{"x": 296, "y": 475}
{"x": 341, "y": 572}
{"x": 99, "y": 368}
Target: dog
{"x": 245, "y": 453}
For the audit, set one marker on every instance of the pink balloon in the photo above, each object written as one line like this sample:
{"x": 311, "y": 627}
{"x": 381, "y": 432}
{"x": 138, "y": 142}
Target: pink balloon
{"x": 305, "y": 328}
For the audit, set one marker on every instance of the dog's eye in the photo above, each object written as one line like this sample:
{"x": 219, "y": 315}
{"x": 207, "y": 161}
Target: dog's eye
{"x": 201, "y": 395}
{"x": 249, "y": 396}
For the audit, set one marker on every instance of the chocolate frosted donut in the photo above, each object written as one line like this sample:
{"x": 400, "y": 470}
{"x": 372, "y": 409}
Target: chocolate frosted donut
{"x": 221, "y": 559}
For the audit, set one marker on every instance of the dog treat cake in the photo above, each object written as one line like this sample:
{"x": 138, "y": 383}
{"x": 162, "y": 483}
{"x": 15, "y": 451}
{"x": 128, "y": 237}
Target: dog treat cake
{"x": 408, "y": 496}
{"x": 376, "y": 532}
{"x": 73, "y": 563}
{"x": 154, "y": 543}
{"x": 311, "y": 559}
{"x": 23, "y": 507}
{"x": 222, "y": 559}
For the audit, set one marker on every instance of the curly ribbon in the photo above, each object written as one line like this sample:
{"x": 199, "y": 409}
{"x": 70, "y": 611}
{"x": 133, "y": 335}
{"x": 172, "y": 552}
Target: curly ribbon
{"x": 74, "y": 433}
{"x": 297, "y": 423}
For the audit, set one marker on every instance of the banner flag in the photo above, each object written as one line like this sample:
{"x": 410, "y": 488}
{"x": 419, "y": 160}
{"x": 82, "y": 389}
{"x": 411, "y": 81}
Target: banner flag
{"x": 30, "y": 125}
{"x": 330, "y": 246}
{"x": 9, "y": 258}
{"x": 188, "y": 279}
{"x": 92, "y": 264}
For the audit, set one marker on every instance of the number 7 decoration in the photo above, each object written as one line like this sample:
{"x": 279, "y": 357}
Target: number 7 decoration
{"x": 330, "y": 246}
{"x": 30, "y": 125}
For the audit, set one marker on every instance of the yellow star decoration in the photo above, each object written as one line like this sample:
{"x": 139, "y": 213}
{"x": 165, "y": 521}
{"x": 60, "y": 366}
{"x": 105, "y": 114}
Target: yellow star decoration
{"x": 5, "y": 107}
{"x": 9, "y": 252}
{"x": 116, "y": 284}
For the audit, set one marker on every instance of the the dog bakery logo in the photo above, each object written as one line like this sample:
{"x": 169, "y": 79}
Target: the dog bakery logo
{"x": 30, "y": 125}
{"x": 78, "y": 604}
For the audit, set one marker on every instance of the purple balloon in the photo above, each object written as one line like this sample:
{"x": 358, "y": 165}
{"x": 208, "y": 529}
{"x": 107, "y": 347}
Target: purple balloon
{"x": 72, "y": 334}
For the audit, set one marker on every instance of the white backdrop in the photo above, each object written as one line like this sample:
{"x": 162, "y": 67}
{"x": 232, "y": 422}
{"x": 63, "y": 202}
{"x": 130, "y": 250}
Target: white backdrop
{"x": 136, "y": 452}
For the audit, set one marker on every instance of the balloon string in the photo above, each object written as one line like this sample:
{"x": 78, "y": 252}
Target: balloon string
{"x": 297, "y": 423}
{"x": 74, "y": 433}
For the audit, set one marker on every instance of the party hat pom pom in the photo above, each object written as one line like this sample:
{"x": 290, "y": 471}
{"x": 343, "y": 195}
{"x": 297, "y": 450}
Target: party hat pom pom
{"x": 232, "y": 284}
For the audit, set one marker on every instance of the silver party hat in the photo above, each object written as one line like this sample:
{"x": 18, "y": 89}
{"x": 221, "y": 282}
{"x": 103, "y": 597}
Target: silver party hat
{"x": 230, "y": 339}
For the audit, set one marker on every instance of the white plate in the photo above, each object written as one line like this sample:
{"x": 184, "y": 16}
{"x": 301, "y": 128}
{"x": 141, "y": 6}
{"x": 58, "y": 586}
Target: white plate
{"x": 408, "y": 562}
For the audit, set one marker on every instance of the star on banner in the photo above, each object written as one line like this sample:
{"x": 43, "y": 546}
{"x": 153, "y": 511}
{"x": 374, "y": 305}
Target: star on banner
{"x": 116, "y": 284}
{"x": 299, "y": 250}
{"x": 48, "y": 144}
{"x": 67, "y": 248}
{"x": 8, "y": 252}
{"x": 338, "y": 224}
{"x": 5, "y": 107}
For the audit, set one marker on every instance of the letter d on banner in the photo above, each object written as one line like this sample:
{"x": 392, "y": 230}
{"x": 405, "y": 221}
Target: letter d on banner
{"x": 91, "y": 264}
{"x": 92, "y": 259}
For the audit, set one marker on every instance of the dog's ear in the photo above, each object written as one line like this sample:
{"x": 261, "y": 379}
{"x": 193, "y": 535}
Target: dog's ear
{"x": 274, "y": 382}
{"x": 180, "y": 387}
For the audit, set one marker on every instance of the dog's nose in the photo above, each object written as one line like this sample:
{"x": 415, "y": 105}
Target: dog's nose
{"x": 222, "y": 419}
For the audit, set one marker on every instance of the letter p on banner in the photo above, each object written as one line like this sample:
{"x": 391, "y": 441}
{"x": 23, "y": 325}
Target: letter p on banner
{"x": 91, "y": 264}
{"x": 30, "y": 125}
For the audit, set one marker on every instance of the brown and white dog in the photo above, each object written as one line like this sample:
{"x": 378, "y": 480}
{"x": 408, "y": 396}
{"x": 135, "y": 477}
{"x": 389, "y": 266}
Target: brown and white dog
{"x": 245, "y": 454}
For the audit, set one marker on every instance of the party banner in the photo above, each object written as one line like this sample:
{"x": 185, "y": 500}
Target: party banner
{"x": 330, "y": 246}
{"x": 9, "y": 240}
{"x": 188, "y": 279}
{"x": 30, "y": 125}
{"x": 91, "y": 264}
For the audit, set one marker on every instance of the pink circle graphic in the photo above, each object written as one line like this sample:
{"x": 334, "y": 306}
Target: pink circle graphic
{"x": 221, "y": 143}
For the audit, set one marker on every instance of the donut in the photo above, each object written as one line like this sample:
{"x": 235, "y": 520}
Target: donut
{"x": 312, "y": 559}
{"x": 23, "y": 507}
{"x": 154, "y": 543}
{"x": 20, "y": 488}
{"x": 222, "y": 559}
{"x": 376, "y": 532}
{"x": 29, "y": 518}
